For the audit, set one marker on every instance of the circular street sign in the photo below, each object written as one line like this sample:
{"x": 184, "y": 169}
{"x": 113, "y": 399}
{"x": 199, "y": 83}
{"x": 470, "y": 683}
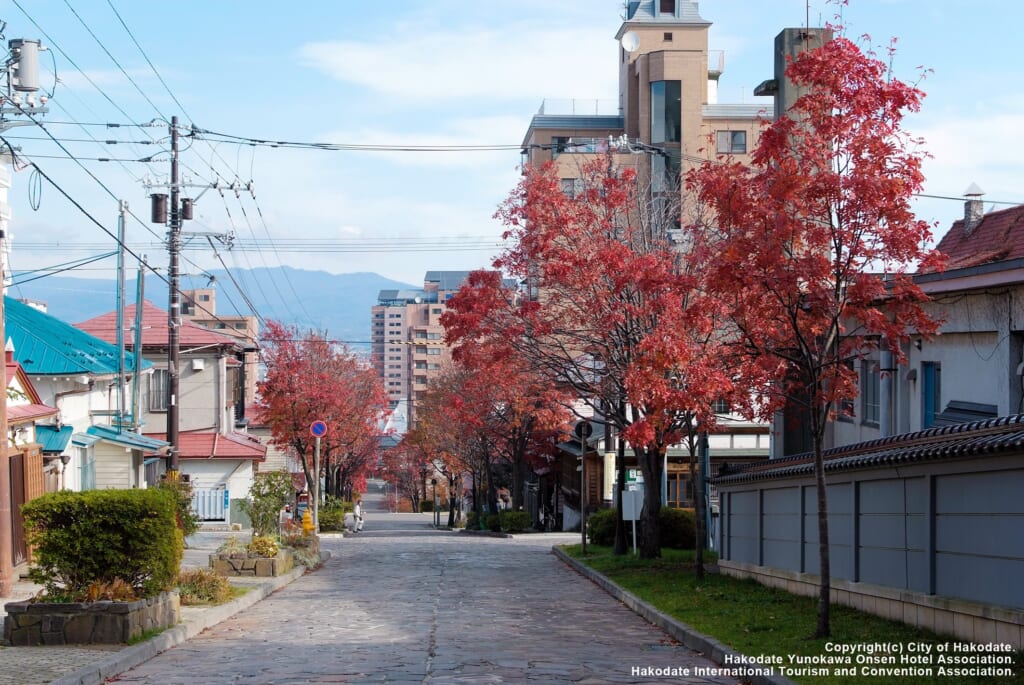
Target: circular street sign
{"x": 318, "y": 429}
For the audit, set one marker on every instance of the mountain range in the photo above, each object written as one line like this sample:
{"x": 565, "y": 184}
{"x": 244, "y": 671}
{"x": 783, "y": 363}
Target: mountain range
{"x": 336, "y": 303}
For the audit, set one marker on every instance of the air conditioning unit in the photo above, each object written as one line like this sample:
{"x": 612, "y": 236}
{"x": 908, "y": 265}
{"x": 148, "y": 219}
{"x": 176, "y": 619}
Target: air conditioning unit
{"x": 198, "y": 364}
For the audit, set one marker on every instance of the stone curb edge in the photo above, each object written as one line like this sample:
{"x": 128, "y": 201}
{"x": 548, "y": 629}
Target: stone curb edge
{"x": 118, "y": 662}
{"x": 709, "y": 646}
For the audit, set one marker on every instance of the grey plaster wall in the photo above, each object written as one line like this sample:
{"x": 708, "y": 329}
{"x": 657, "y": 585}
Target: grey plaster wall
{"x": 949, "y": 529}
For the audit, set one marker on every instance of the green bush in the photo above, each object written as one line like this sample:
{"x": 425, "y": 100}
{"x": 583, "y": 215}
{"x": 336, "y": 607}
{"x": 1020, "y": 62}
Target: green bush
{"x": 493, "y": 522}
{"x": 678, "y": 528}
{"x": 203, "y": 586}
{"x": 188, "y": 521}
{"x": 79, "y": 538}
{"x": 471, "y": 521}
{"x": 332, "y": 518}
{"x": 270, "y": 492}
{"x": 515, "y": 521}
{"x": 426, "y": 505}
{"x": 601, "y": 527}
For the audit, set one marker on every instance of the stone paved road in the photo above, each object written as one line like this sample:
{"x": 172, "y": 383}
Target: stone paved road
{"x": 402, "y": 603}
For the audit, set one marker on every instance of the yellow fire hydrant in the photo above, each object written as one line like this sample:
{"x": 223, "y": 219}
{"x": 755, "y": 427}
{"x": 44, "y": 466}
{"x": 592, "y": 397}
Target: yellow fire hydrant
{"x": 307, "y": 522}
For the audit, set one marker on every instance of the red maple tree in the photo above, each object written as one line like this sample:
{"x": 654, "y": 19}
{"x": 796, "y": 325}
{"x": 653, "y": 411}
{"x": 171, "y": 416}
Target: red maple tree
{"x": 811, "y": 245}
{"x": 310, "y": 378}
{"x": 611, "y": 313}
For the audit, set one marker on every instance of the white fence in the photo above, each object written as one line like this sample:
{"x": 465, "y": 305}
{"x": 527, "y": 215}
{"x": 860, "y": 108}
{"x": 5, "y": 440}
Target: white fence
{"x": 211, "y": 504}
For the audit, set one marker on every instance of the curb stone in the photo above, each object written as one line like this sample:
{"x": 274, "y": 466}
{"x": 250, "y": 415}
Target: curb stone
{"x": 118, "y": 662}
{"x": 712, "y": 648}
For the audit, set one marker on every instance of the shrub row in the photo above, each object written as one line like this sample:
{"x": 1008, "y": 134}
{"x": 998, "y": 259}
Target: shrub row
{"x": 678, "y": 528}
{"x": 80, "y": 539}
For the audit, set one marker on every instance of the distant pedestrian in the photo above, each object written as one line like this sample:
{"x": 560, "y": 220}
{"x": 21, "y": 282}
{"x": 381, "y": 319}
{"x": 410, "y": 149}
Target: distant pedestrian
{"x": 357, "y": 515}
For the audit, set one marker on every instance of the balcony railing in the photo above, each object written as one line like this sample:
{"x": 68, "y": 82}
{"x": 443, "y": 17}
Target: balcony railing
{"x": 582, "y": 107}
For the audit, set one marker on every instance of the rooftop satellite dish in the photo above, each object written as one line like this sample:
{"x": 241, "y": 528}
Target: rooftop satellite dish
{"x": 630, "y": 41}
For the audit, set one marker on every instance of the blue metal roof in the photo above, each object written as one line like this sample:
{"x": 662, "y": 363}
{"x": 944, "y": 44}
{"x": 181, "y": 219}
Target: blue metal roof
{"x": 47, "y": 346}
{"x": 131, "y": 440}
{"x": 647, "y": 11}
{"x": 53, "y": 439}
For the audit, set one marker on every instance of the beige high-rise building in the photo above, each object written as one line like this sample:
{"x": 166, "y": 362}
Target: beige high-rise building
{"x": 668, "y": 117}
{"x": 408, "y": 340}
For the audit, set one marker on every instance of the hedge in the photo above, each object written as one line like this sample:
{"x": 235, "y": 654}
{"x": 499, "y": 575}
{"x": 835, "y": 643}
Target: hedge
{"x": 678, "y": 528}
{"x": 99, "y": 536}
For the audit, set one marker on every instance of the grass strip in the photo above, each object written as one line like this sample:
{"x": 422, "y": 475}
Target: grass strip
{"x": 757, "y": 620}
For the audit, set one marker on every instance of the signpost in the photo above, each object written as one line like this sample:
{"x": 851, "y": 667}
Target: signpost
{"x": 632, "y": 505}
{"x": 317, "y": 429}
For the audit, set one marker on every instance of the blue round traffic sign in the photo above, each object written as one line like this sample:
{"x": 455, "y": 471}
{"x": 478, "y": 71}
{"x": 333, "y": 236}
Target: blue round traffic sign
{"x": 318, "y": 429}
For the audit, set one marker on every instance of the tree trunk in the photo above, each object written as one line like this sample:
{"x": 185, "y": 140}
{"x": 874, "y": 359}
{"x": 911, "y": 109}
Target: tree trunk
{"x": 650, "y": 519}
{"x": 825, "y": 589}
{"x": 621, "y": 548}
{"x": 698, "y": 510}
{"x": 451, "y": 501}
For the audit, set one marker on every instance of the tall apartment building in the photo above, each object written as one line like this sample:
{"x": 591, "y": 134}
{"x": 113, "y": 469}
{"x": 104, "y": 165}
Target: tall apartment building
{"x": 200, "y": 307}
{"x": 408, "y": 339}
{"x": 668, "y": 118}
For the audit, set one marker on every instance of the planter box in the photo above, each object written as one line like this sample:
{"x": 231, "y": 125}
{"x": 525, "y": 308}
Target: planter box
{"x": 84, "y": 623}
{"x": 253, "y": 565}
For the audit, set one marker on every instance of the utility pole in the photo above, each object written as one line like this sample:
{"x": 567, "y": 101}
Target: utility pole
{"x": 121, "y": 373}
{"x": 22, "y": 70}
{"x": 174, "y": 309}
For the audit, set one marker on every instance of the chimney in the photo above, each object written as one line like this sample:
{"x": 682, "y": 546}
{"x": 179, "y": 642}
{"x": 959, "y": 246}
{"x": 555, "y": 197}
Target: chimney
{"x": 974, "y": 208}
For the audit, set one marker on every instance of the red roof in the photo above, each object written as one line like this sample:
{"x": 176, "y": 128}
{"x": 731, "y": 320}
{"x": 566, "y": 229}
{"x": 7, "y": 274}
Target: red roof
{"x": 24, "y": 413}
{"x": 217, "y": 446}
{"x": 998, "y": 237}
{"x": 154, "y": 329}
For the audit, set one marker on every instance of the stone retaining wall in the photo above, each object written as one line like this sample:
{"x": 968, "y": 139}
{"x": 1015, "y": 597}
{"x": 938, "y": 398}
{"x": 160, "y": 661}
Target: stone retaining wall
{"x": 78, "y": 623}
{"x": 247, "y": 564}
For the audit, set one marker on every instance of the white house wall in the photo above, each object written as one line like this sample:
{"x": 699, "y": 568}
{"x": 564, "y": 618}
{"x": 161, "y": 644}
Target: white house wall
{"x": 236, "y": 475}
{"x": 116, "y": 467}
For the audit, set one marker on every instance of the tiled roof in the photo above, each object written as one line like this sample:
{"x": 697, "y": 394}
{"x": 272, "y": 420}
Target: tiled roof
{"x": 976, "y": 439}
{"x": 210, "y": 445}
{"x": 44, "y": 345}
{"x": 154, "y": 329}
{"x": 998, "y": 237}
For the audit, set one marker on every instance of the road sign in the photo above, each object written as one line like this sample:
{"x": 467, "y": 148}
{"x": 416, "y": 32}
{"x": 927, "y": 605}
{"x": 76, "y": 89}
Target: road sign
{"x": 318, "y": 429}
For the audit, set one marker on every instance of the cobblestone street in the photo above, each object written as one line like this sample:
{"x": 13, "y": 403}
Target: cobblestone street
{"x": 402, "y": 603}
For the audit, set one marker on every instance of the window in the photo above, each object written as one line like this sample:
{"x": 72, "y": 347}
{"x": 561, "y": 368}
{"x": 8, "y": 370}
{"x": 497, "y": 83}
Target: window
{"x": 732, "y": 142}
{"x": 433, "y": 351}
{"x": 436, "y": 310}
{"x": 87, "y": 471}
{"x": 930, "y": 392}
{"x": 158, "y": 390}
{"x": 668, "y": 37}
{"x": 720, "y": 406}
{"x": 421, "y": 335}
{"x": 667, "y": 6}
{"x": 572, "y": 187}
{"x": 240, "y": 326}
{"x": 204, "y": 298}
{"x": 869, "y": 392}
{"x": 666, "y": 112}
{"x": 433, "y": 336}
{"x": 559, "y": 144}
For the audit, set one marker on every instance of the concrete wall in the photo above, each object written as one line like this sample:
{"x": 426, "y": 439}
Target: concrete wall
{"x": 933, "y": 535}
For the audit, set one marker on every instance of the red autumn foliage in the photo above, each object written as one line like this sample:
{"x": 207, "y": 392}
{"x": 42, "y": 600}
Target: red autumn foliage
{"x": 811, "y": 246}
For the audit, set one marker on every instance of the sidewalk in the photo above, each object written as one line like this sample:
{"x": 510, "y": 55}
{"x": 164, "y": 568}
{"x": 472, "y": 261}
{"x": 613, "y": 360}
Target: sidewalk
{"x": 93, "y": 664}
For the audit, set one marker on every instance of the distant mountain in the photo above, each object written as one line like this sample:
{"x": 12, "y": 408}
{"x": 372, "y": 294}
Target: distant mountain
{"x": 336, "y": 303}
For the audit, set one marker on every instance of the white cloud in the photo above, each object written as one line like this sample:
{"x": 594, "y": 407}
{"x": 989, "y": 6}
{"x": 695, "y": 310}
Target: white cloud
{"x": 502, "y": 65}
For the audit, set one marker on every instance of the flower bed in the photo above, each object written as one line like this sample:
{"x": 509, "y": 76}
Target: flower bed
{"x": 252, "y": 564}
{"x": 31, "y": 623}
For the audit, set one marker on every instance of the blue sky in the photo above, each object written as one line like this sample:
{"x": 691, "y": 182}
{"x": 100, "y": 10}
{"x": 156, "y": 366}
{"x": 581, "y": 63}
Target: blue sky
{"x": 417, "y": 72}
